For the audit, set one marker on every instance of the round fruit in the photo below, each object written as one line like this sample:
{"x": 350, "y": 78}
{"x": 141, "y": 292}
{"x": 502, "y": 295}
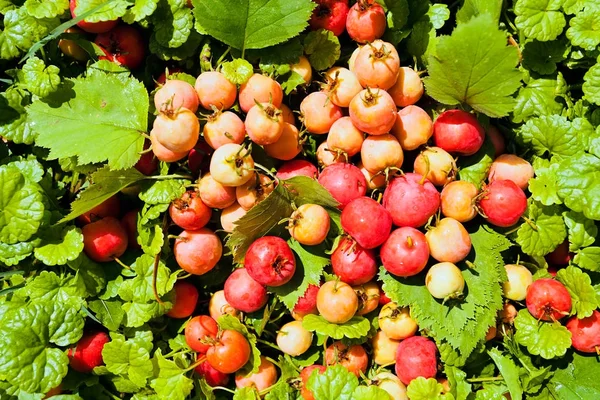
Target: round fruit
{"x": 368, "y": 297}
{"x": 585, "y": 333}
{"x": 367, "y": 221}
{"x": 503, "y": 203}
{"x": 189, "y": 212}
{"x": 294, "y": 339}
{"x": 186, "y": 298}
{"x": 294, "y": 168}
{"x": 377, "y": 65}
{"x": 110, "y": 207}
{"x": 445, "y": 280}
{"x": 366, "y": 21}
{"x": 218, "y": 306}
{"x": 405, "y": 253}
{"x": 214, "y": 90}
{"x": 458, "y": 132}
{"x": 254, "y": 191}
{"x": 319, "y": 113}
{"x": 264, "y": 124}
{"x": 373, "y": 111}
{"x": 497, "y": 140}
{"x": 87, "y": 355}
{"x": 123, "y": 45}
{"x": 354, "y": 358}
{"x": 307, "y": 303}
{"x": 413, "y": 127}
{"x": 381, "y": 153}
{"x": 560, "y": 255}
{"x": 287, "y": 146}
{"x": 341, "y": 85}
{"x": 519, "y": 279}
{"x": 232, "y": 165}
{"x": 222, "y": 128}
{"x": 458, "y": 200}
{"x": 229, "y": 353}
{"x": 512, "y": 168}
{"x": 129, "y": 223}
{"x": 374, "y": 181}
{"x": 198, "y": 330}
{"x": 548, "y": 300}
{"x": 70, "y": 48}
{"x": 344, "y": 182}
{"x": 396, "y": 322}
{"x": 408, "y": 88}
{"x": 261, "y": 89}
{"x": 416, "y": 356}
{"x": 337, "y": 302}
{"x": 288, "y": 114}
{"x": 303, "y": 68}
{"x": 437, "y": 165}
{"x": 162, "y": 153}
{"x": 244, "y": 293}
{"x": 177, "y": 130}
{"x": 304, "y": 375}
{"x": 327, "y": 157}
{"x": 92, "y": 27}
{"x": 147, "y": 163}
{"x": 391, "y": 384}
{"x": 448, "y": 241}
{"x": 345, "y": 137}
{"x": 330, "y": 15}
{"x": 265, "y": 377}
{"x": 104, "y": 240}
{"x": 270, "y": 261}
{"x": 354, "y": 264}
{"x": 384, "y": 348}
{"x": 197, "y": 252}
{"x": 211, "y": 375}
{"x": 309, "y": 224}
{"x": 411, "y": 200}
{"x": 175, "y": 94}
{"x": 214, "y": 194}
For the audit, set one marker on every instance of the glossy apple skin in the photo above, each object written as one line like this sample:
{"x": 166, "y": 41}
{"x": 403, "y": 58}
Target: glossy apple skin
{"x": 344, "y": 182}
{"x": 405, "y": 253}
{"x": 365, "y": 21}
{"x": 354, "y": 358}
{"x": 186, "y": 298}
{"x": 294, "y": 168}
{"x": 409, "y": 202}
{"x": 457, "y": 200}
{"x": 512, "y": 168}
{"x": 503, "y": 203}
{"x": 585, "y": 332}
{"x": 92, "y": 27}
{"x": 548, "y": 300}
{"x": 197, "y": 252}
{"x": 367, "y": 221}
{"x": 330, "y": 15}
{"x": 458, "y": 132}
{"x": 230, "y": 353}
{"x": 561, "y": 255}
{"x": 104, "y": 240}
{"x": 337, "y": 302}
{"x": 88, "y": 353}
{"x": 270, "y": 261}
{"x": 416, "y": 356}
{"x": 199, "y": 328}
{"x": 307, "y": 304}
{"x": 244, "y": 293}
{"x": 123, "y": 45}
{"x": 448, "y": 241}
{"x": 211, "y": 375}
{"x": 265, "y": 377}
{"x": 304, "y": 375}
{"x": 189, "y": 212}
{"x": 354, "y": 264}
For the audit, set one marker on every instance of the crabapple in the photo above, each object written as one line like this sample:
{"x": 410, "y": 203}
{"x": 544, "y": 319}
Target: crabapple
{"x": 497, "y": 140}
{"x": 445, "y": 280}
{"x": 413, "y": 127}
{"x": 189, "y": 212}
{"x": 519, "y": 279}
{"x": 93, "y": 27}
{"x": 264, "y": 124}
{"x": 230, "y": 352}
{"x": 244, "y": 293}
{"x": 147, "y": 163}
{"x": 198, "y": 251}
{"x": 344, "y": 182}
{"x": 129, "y": 223}
{"x": 373, "y": 111}
{"x": 560, "y": 255}
{"x": 448, "y": 241}
{"x": 162, "y": 153}
{"x": 309, "y": 224}
{"x": 175, "y": 94}
{"x": 408, "y": 88}
{"x": 214, "y": 194}
{"x": 186, "y": 297}
{"x": 366, "y": 21}
{"x": 458, "y": 200}
{"x": 177, "y": 130}
{"x": 381, "y": 153}
{"x": 337, "y": 302}
{"x": 345, "y": 137}
{"x": 214, "y": 90}
{"x": 377, "y": 65}
{"x": 307, "y": 303}
{"x": 319, "y": 113}
{"x": 391, "y": 384}
{"x": 287, "y": 146}
{"x": 265, "y": 377}
{"x": 416, "y": 356}
{"x": 327, "y": 157}
{"x": 330, "y": 15}
{"x": 211, "y": 375}
{"x": 197, "y": 330}
{"x": 458, "y": 132}
{"x": 87, "y": 354}
{"x": 354, "y": 358}
{"x": 585, "y": 332}
{"x": 123, "y": 45}
{"x": 261, "y": 89}
{"x": 411, "y": 200}
{"x": 405, "y": 253}
{"x": 374, "y": 180}
{"x": 232, "y": 165}
{"x": 303, "y": 68}
{"x": 368, "y": 297}
{"x": 503, "y": 203}
{"x": 288, "y": 114}
{"x": 354, "y": 264}
{"x": 367, "y": 221}
{"x": 341, "y": 85}
{"x": 104, "y": 240}
{"x": 548, "y": 299}
{"x": 306, "y": 372}
{"x": 222, "y": 128}
{"x": 294, "y": 339}
{"x": 512, "y": 168}
{"x": 396, "y": 322}
{"x": 70, "y": 48}
{"x": 294, "y": 168}
{"x": 218, "y": 306}
{"x": 270, "y": 261}
{"x": 437, "y": 165}
{"x": 110, "y": 207}
{"x": 254, "y": 191}
{"x": 384, "y": 348}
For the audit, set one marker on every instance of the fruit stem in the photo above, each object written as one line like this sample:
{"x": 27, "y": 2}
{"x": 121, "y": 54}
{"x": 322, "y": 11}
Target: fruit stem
{"x": 266, "y": 171}
{"x": 172, "y": 176}
{"x": 121, "y": 263}
{"x": 268, "y": 344}
{"x": 155, "y": 266}
{"x": 194, "y": 365}
{"x": 223, "y": 388}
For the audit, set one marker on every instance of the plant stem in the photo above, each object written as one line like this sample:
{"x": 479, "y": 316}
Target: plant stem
{"x": 490, "y": 379}
{"x": 172, "y": 176}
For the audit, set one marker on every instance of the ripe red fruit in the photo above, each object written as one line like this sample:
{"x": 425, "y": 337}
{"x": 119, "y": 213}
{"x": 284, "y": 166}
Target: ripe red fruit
{"x": 304, "y": 375}
{"x": 354, "y": 358}
{"x": 366, "y": 21}
{"x": 585, "y": 333}
{"x": 189, "y": 212}
{"x": 458, "y": 132}
{"x": 503, "y": 203}
{"x": 162, "y": 78}
{"x": 367, "y": 221}
{"x": 111, "y": 207}
{"x": 104, "y": 240}
{"x": 244, "y": 293}
{"x": 129, "y": 223}
{"x": 87, "y": 355}
{"x": 354, "y": 264}
{"x": 294, "y": 168}
{"x": 270, "y": 261}
{"x": 199, "y": 157}
{"x": 416, "y": 356}
{"x": 123, "y": 45}
{"x": 307, "y": 304}
{"x": 211, "y": 375}
{"x": 560, "y": 255}
{"x": 148, "y": 162}
{"x": 197, "y": 330}
{"x": 230, "y": 353}
{"x": 548, "y": 300}
{"x": 405, "y": 253}
{"x": 344, "y": 181}
{"x": 330, "y": 15}
{"x": 186, "y": 297}
{"x": 198, "y": 252}
{"x": 411, "y": 200}
{"x": 92, "y": 27}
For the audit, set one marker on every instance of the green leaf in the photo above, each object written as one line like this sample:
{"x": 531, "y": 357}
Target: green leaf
{"x": 369, "y": 393}
{"x": 237, "y": 71}
{"x": 62, "y": 248}
{"x": 472, "y": 316}
{"x": 551, "y": 134}
{"x": 227, "y": 321}
{"x": 540, "y": 19}
{"x": 171, "y": 384}
{"x": 475, "y": 168}
{"x": 543, "y": 187}
{"x": 46, "y": 8}
{"x": 164, "y": 191}
{"x": 21, "y": 31}
{"x": 579, "y": 285}
{"x": 139, "y": 289}
{"x": 105, "y": 184}
{"x": 21, "y": 206}
{"x": 322, "y": 48}
{"x": 129, "y": 358}
{"x": 539, "y": 97}
{"x": 578, "y": 379}
{"x": 182, "y": 52}
{"x": 584, "y": 28}
{"x": 438, "y": 15}
{"x": 113, "y": 10}
{"x": 422, "y": 39}
{"x": 137, "y": 314}
{"x": 422, "y": 388}
{"x": 246, "y": 393}
{"x": 173, "y": 23}
{"x": 140, "y": 10}
{"x": 509, "y": 371}
{"x": 336, "y": 383}
{"x": 473, "y": 8}
{"x": 544, "y": 231}
{"x": 357, "y": 327}
{"x": 591, "y": 84}
{"x": 546, "y": 339}
{"x": 310, "y": 264}
{"x": 484, "y": 77}
{"x": 109, "y": 312}
{"x": 582, "y": 231}
{"x": 459, "y": 386}
{"x": 588, "y": 258}
{"x": 13, "y": 116}
{"x": 292, "y": 81}
{"x": 12, "y": 254}
{"x": 39, "y": 79}
{"x": 397, "y": 14}
{"x": 542, "y": 57}
{"x": 579, "y": 184}
{"x": 97, "y": 124}
{"x": 255, "y": 24}
{"x": 90, "y": 273}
